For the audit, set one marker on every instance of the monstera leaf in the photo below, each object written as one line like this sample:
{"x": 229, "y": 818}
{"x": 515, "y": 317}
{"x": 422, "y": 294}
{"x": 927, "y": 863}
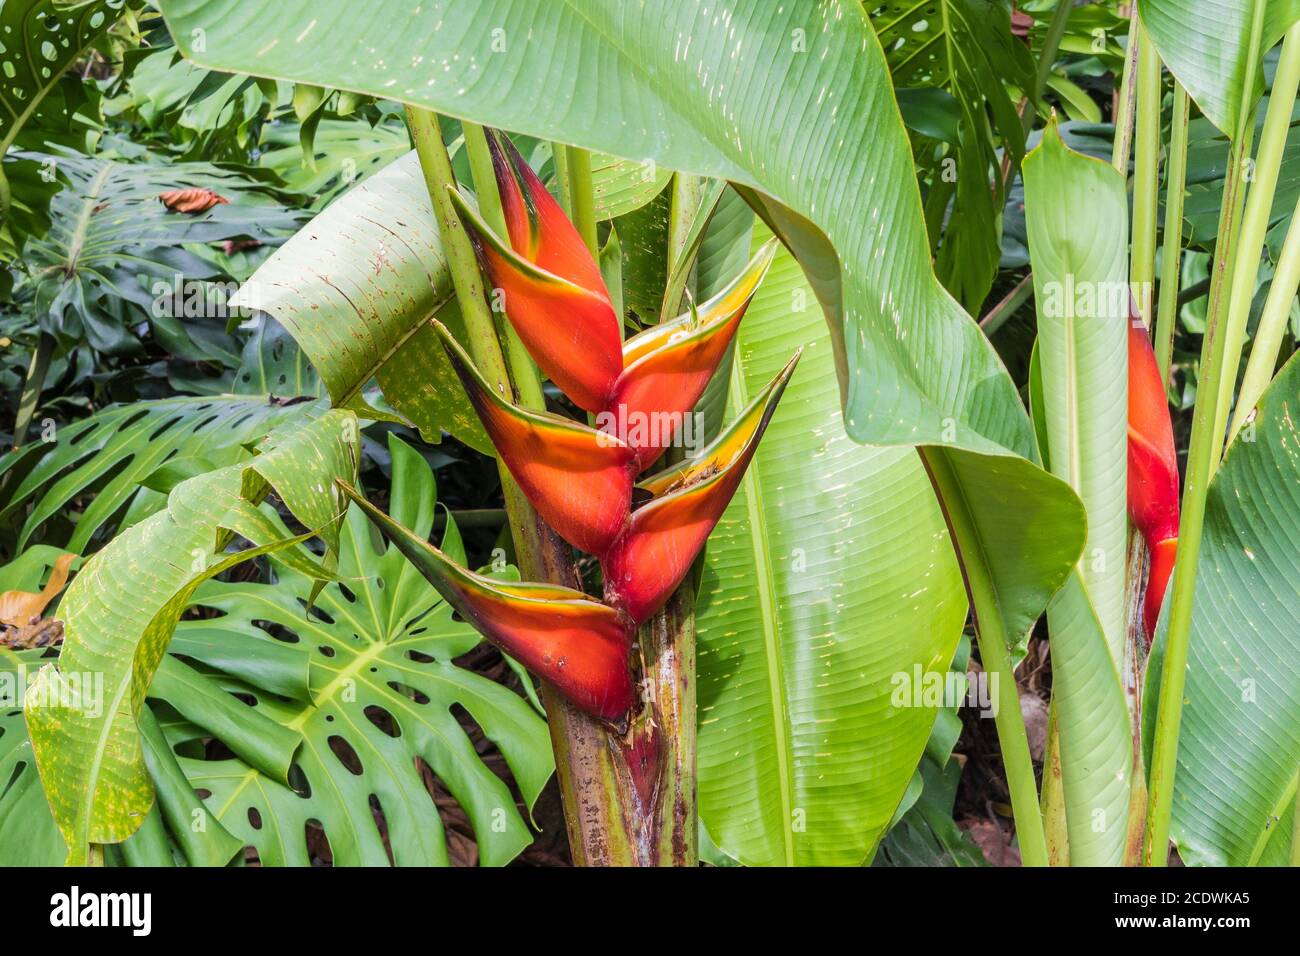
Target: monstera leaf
{"x": 340, "y": 718}
{"x": 115, "y": 256}
{"x": 1239, "y": 747}
{"x": 368, "y": 680}
{"x": 128, "y": 456}
{"x": 83, "y": 713}
{"x": 42, "y": 39}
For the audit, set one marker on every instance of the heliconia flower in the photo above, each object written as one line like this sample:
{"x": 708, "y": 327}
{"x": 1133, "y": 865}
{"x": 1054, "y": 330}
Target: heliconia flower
{"x": 667, "y": 367}
{"x": 1152, "y": 468}
{"x": 649, "y": 561}
{"x": 578, "y": 479}
{"x": 577, "y": 645}
{"x": 554, "y": 295}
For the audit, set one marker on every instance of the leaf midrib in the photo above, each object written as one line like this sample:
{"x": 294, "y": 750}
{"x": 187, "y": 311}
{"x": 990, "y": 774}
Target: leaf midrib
{"x": 759, "y": 538}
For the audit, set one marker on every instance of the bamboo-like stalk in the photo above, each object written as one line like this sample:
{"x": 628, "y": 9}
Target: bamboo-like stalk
{"x": 1018, "y": 296}
{"x": 1146, "y": 181}
{"x": 1200, "y": 468}
{"x": 1172, "y": 260}
{"x": 1254, "y": 225}
{"x": 1272, "y": 326}
{"x": 1126, "y": 100}
{"x": 30, "y": 396}
{"x": 992, "y": 638}
{"x": 523, "y": 371}
{"x": 583, "y": 197}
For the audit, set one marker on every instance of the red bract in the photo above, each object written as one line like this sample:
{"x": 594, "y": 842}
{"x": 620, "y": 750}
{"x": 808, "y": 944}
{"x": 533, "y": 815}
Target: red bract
{"x": 665, "y": 536}
{"x": 577, "y": 645}
{"x": 578, "y": 478}
{"x": 668, "y": 366}
{"x": 553, "y": 293}
{"x": 1152, "y": 468}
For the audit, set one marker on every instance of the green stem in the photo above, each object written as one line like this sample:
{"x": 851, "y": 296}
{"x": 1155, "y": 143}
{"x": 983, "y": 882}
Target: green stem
{"x": 523, "y": 371}
{"x": 1171, "y": 263}
{"x": 1272, "y": 326}
{"x": 1254, "y": 224}
{"x": 560, "y": 155}
{"x": 1047, "y": 56}
{"x": 991, "y": 634}
{"x": 1201, "y": 455}
{"x": 1125, "y": 108}
{"x": 30, "y": 396}
{"x": 998, "y": 315}
{"x": 583, "y": 196}
{"x": 1146, "y": 175}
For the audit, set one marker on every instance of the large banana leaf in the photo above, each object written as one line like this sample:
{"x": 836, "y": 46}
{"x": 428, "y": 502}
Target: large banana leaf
{"x": 1208, "y": 47}
{"x": 1076, "y": 212}
{"x": 357, "y": 286}
{"x": 1239, "y": 747}
{"x": 830, "y": 573}
{"x": 792, "y": 102}
{"x": 120, "y": 611}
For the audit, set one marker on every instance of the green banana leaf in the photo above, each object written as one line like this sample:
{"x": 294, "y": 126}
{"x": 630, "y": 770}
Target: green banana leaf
{"x": 119, "y": 614}
{"x": 357, "y": 286}
{"x": 1076, "y": 212}
{"x": 1208, "y": 47}
{"x": 761, "y": 95}
{"x": 830, "y": 573}
{"x": 1239, "y": 745}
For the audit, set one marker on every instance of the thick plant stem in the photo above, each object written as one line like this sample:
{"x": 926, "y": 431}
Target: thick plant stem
{"x": 583, "y": 197}
{"x": 523, "y": 371}
{"x": 560, "y": 155}
{"x": 600, "y": 833}
{"x": 995, "y": 657}
{"x": 1125, "y": 105}
{"x": 1272, "y": 326}
{"x": 1006, "y": 308}
{"x": 1146, "y": 179}
{"x": 1254, "y": 223}
{"x": 1057, "y": 833}
{"x": 1051, "y": 45}
{"x": 30, "y": 397}
{"x": 1172, "y": 259}
{"x": 1202, "y": 452}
